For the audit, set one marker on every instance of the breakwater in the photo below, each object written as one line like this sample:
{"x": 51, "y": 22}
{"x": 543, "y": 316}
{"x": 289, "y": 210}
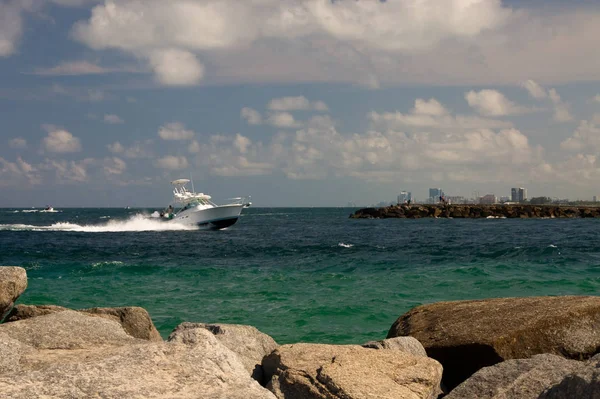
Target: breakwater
{"x": 477, "y": 211}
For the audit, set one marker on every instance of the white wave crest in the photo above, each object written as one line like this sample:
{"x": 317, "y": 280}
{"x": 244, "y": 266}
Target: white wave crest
{"x": 135, "y": 223}
{"x": 341, "y": 244}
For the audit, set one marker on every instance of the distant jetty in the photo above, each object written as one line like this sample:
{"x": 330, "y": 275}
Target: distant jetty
{"x": 477, "y": 211}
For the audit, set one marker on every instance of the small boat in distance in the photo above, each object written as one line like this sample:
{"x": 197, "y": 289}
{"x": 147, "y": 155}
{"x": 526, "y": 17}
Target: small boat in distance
{"x": 48, "y": 208}
{"x": 197, "y": 209}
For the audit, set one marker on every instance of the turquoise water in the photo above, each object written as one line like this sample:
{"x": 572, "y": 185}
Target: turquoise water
{"x": 297, "y": 274}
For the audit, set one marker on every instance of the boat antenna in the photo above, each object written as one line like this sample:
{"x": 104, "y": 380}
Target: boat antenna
{"x": 192, "y": 179}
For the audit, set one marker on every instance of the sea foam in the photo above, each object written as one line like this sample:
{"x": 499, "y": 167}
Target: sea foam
{"x": 135, "y": 223}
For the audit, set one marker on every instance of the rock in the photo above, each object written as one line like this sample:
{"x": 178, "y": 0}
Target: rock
{"x": 582, "y": 384}
{"x": 23, "y": 312}
{"x": 134, "y": 320}
{"x": 516, "y": 379}
{"x": 403, "y": 344}
{"x": 11, "y": 352}
{"x": 67, "y": 330}
{"x": 247, "y": 342}
{"x": 350, "y": 372}
{"x": 13, "y": 281}
{"x": 467, "y": 335}
{"x": 142, "y": 370}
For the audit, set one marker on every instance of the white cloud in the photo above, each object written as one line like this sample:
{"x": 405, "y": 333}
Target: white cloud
{"x": 113, "y": 119}
{"x": 171, "y": 162}
{"x": 72, "y": 68}
{"x": 60, "y": 141}
{"x": 299, "y": 103}
{"x": 175, "y": 131}
{"x": 173, "y": 67}
{"x": 15, "y": 173}
{"x": 68, "y": 171}
{"x": 251, "y": 116}
{"x": 11, "y": 23}
{"x": 18, "y": 143}
{"x": 365, "y": 42}
{"x": 492, "y": 103}
{"x": 114, "y": 166}
{"x": 283, "y": 120}
{"x": 585, "y": 138}
{"x": 561, "y": 108}
{"x": 241, "y": 143}
{"x": 535, "y": 90}
{"x": 116, "y": 147}
{"x": 432, "y": 114}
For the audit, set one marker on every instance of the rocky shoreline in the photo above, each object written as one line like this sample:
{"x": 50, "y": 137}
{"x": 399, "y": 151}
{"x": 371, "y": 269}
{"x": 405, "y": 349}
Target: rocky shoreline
{"x": 476, "y": 211}
{"x": 536, "y": 347}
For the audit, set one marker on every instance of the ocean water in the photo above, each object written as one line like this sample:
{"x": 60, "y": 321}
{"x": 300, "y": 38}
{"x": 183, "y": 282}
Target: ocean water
{"x": 297, "y": 274}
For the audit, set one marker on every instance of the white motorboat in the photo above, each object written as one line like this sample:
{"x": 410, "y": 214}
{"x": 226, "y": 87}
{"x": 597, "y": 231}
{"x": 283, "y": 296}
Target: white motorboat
{"x": 197, "y": 209}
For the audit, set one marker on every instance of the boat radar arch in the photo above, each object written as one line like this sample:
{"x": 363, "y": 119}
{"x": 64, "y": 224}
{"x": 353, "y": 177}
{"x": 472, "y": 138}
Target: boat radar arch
{"x": 180, "y": 182}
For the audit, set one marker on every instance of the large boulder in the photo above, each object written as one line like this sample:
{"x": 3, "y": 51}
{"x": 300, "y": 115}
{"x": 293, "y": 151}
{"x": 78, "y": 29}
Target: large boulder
{"x": 315, "y": 371}
{"x": 516, "y": 379}
{"x": 67, "y": 330}
{"x": 135, "y": 320}
{"x": 467, "y": 335}
{"x": 11, "y": 352}
{"x": 141, "y": 370}
{"x": 581, "y": 384}
{"x": 13, "y": 281}
{"x": 403, "y": 344}
{"x": 247, "y": 342}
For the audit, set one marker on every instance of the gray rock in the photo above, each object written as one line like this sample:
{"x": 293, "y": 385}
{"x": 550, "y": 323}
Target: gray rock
{"x": 350, "y": 372}
{"x": 141, "y": 370}
{"x": 247, "y": 342}
{"x": 67, "y": 330}
{"x": 13, "y": 282}
{"x": 582, "y": 384}
{"x": 135, "y": 320}
{"x": 404, "y": 344}
{"x": 467, "y": 335}
{"x": 516, "y": 379}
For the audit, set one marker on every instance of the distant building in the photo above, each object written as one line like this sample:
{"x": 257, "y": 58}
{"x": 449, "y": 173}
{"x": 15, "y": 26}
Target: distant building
{"x": 435, "y": 194}
{"x": 518, "y": 194}
{"x": 504, "y": 199}
{"x": 488, "y": 199}
{"x": 404, "y": 196}
{"x": 456, "y": 199}
{"x": 595, "y": 199}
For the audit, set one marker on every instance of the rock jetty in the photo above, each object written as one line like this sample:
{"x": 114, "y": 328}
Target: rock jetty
{"x": 539, "y": 347}
{"x": 476, "y": 211}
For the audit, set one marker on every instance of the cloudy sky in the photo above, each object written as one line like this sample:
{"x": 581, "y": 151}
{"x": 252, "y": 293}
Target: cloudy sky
{"x": 296, "y": 102}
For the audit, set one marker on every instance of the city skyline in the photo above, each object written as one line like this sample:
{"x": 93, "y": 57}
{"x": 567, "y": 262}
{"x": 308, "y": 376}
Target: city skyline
{"x": 135, "y": 94}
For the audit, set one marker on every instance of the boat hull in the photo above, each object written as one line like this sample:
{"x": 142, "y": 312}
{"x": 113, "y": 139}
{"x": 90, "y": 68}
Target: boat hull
{"x": 219, "y": 217}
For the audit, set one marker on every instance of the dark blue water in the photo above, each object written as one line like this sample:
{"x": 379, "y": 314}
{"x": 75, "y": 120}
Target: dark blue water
{"x": 297, "y": 274}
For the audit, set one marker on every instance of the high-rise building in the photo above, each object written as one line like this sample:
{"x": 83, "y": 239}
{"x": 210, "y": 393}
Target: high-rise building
{"x": 488, "y": 199}
{"x": 404, "y": 196}
{"x": 518, "y": 194}
{"x": 595, "y": 199}
{"x": 522, "y": 194}
{"x": 435, "y": 194}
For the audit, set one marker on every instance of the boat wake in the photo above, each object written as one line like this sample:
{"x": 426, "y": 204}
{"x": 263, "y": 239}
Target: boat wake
{"x": 135, "y": 223}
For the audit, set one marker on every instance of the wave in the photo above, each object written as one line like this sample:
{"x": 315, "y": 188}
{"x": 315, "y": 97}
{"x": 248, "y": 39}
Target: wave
{"x": 341, "y": 244}
{"x": 135, "y": 223}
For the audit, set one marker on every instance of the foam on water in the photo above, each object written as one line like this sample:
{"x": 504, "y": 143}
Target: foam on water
{"x": 135, "y": 223}
{"x": 341, "y": 244}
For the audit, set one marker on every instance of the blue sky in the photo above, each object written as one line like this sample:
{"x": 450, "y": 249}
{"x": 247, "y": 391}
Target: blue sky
{"x": 296, "y": 102}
